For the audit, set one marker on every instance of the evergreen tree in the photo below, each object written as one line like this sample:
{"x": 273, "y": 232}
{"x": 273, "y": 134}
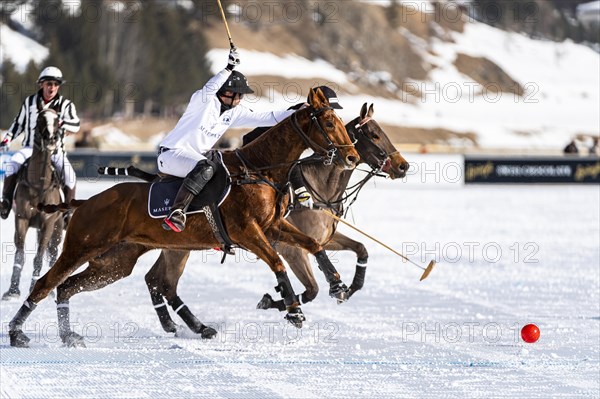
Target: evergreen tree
{"x": 10, "y": 94}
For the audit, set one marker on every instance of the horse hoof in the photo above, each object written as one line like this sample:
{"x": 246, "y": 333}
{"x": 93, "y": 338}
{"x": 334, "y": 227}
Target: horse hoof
{"x": 180, "y": 331}
{"x": 295, "y": 317}
{"x": 9, "y": 295}
{"x": 170, "y": 328}
{"x": 18, "y": 339}
{"x": 208, "y": 333}
{"x": 339, "y": 291}
{"x": 73, "y": 340}
{"x": 265, "y": 303}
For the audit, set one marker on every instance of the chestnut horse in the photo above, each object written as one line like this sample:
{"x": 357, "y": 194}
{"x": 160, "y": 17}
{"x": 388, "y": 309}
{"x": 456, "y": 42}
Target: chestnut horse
{"x": 327, "y": 184}
{"x": 252, "y": 214}
{"x": 37, "y": 182}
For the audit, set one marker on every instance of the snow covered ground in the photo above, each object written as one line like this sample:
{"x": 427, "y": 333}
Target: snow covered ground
{"x": 509, "y": 256}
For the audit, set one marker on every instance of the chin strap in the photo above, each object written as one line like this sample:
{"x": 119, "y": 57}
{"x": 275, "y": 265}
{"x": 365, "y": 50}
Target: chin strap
{"x": 225, "y": 107}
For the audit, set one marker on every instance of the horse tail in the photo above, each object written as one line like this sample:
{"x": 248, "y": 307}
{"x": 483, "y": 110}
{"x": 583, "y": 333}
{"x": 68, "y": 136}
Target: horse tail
{"x": 129, "y": 171}
{"x": 62, "y": 207}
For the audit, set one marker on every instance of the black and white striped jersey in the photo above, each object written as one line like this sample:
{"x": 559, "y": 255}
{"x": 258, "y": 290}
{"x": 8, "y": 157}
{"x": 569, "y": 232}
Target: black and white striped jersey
{"x": 26, "y": 119}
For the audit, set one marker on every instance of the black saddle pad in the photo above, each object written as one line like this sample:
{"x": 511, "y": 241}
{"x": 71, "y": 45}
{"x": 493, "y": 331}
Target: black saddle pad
{"x": 162, "y": 193}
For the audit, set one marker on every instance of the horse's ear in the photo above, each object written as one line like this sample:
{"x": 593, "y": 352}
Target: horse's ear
{"x": 311, "y": 97}
{"x": 363, "y": 111}
{"x": 371, "y": 110}
{"x": 317, "y": 99}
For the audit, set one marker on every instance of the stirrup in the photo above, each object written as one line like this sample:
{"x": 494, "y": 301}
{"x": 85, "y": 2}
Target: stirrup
{"x": 175, "y": 225}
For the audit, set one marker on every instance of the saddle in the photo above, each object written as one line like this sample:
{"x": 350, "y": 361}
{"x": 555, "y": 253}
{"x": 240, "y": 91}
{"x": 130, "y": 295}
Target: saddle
{"x": 163, "y": 192}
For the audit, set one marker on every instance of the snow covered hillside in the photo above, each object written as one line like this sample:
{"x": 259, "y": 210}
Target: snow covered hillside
{"x": 20, "y": 49}
{"x": 561, "y": 82}
{"x": 482, "y": 86}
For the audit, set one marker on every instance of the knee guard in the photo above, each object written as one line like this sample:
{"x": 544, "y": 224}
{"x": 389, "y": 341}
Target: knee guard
{"x": 199, "y": 176}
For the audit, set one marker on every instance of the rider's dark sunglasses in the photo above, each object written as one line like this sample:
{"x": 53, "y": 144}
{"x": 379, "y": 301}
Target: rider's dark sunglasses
{"x": 51, "y": 83}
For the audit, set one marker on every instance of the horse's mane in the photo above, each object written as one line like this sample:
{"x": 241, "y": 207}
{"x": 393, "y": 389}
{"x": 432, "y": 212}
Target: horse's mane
{"x": 264, "y": 138}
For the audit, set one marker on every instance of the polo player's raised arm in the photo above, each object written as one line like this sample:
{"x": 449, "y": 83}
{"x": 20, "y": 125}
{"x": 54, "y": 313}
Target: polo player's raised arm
{"x": 245, "y": 117}
{"x": 210, "y": 89}
{"x": 214, "y": 84}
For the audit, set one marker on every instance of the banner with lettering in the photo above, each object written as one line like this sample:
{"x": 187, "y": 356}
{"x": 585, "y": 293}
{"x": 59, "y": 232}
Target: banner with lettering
{"x": 565, "y": 169}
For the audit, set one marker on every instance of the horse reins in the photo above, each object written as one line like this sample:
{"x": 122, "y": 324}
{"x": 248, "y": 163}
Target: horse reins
{"x": 329, "y": 153}
{"x": 41, "y": 146}
{"x": 354, "y": 190}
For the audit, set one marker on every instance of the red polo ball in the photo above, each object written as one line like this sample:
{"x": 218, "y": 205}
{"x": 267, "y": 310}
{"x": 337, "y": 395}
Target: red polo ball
{"x": 530, "y": 333}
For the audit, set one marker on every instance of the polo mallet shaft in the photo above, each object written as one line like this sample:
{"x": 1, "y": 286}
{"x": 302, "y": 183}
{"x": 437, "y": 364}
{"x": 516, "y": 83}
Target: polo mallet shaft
{"x": 426, "y": 270}
{"x": 225, "y": 22}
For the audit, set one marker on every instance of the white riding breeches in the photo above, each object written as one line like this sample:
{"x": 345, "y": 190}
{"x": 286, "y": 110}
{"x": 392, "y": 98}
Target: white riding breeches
{"x": 178, "y": 162}
{"x": 59, "y": 160}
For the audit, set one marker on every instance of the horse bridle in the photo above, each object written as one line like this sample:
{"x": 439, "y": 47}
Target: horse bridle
{"x": 328, "y": 153}
{"x": 41, "y": 146}
{"x": 42, "y": 142}
{"x": 351, "y": 193}
{"x": 385, "y": 157}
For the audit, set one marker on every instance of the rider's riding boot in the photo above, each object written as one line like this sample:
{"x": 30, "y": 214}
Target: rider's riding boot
{"x": 193, "y": 183}
{"x": 176, "y": 219}
{"x": 7, "y": 195}
{"x": 69, "y": 196}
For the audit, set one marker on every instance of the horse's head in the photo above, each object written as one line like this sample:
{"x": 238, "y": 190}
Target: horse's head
{"x": 374, "y": 146}
{"x": 46, "y": 130}
{"x": 327, "y": 134}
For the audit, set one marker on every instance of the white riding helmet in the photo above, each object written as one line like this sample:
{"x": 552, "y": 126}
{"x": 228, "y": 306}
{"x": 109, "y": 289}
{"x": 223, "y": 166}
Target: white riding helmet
{"x": 51, "y": 73}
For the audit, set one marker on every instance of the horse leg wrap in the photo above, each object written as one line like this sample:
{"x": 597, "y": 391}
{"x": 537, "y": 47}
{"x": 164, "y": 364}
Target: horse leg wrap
{"x": 24, "y": 311}
{"x": 163, "y": 313}
{"x": 64, "y": 322}
{"x": 359, "y": 277}
{"x": 267, "y": 302}
{"x": 69, "y": 338}
{"x": 188, "y": 317}
{"x": 284, "y": 287}
{"x": 337, "y": 289}
{"x": 325, "y": 265}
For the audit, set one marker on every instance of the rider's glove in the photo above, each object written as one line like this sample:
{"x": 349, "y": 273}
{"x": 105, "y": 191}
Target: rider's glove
{"x": 304, "y": 197}
{"x": 4, "y": 145}
{"x": 234, "y": 59}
